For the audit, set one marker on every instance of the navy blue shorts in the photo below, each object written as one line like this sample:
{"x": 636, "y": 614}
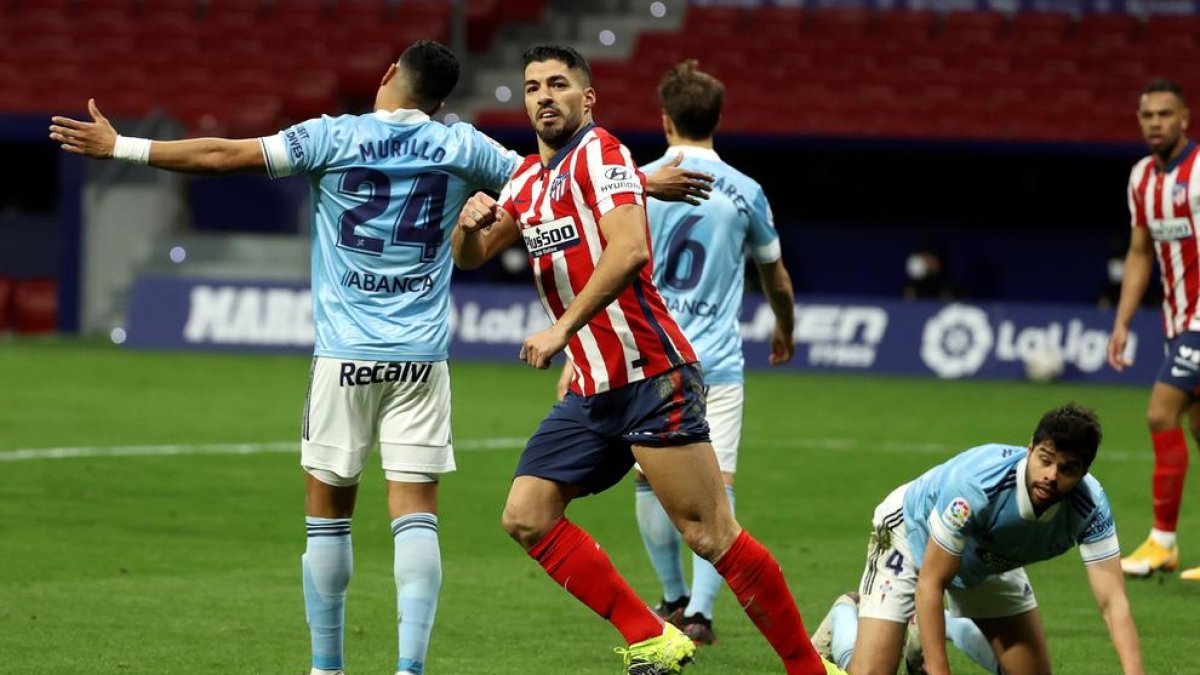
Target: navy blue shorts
{"x": 587, "y": 440}
{"x": 1181, "y": 367}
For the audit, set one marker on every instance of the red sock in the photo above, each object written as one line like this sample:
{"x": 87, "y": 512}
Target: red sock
{"x": 1170, "y": 466}
{"x": 573, "y": 559}
{"x": 758, "y": 583}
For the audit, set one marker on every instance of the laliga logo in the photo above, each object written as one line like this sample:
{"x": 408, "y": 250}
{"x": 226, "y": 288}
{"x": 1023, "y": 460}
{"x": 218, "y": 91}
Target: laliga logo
{"x": 959, "y": 339}
{"x": 956, "y": 341}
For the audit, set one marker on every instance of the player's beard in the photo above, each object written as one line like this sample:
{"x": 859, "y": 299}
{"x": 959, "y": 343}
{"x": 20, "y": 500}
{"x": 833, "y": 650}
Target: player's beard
{"x": 558, "y": 135}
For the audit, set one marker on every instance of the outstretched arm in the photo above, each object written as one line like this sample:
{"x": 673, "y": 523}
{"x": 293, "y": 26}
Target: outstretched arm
{"x": 99, "y": 140}
{"x": 1108, "y": 587}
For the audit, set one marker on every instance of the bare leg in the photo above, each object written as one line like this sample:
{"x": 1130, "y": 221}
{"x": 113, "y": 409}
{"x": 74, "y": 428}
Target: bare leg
{"x": 1019, "y": 643}
{"x": 877, "y": 649}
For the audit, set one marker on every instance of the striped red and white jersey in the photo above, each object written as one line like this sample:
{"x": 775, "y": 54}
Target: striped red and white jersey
{"x": 1166, "y": 200}
{"x": 558, "y": 207}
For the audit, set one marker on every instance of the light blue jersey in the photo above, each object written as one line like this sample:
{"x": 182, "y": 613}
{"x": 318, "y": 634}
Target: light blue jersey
{"x": 386, "y": 191}
{"x": 977, "y": 506}
{"x": 699, "y": 258}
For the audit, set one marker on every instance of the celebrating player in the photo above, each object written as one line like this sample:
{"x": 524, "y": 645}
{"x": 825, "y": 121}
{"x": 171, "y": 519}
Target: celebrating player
{"x": 388, "y": 185}
{"x": 965, "y": 529}
{"x": 636, "y": 391}
{"x": 1164, "y": 196}
{"x": 699, "y": 261}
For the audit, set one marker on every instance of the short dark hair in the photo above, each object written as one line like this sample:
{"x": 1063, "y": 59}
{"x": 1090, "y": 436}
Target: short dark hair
{"x": 432, "y": 69}
{"x": 567, "y": 55}
{"x": 1071, "y": 428}
{"x": 1163, "y": 85}
{"x": 692, "y": 99}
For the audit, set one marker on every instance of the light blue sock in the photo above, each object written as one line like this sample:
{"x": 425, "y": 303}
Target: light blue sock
{"x": 662, "y": 541}
{"x": 327, "y": 564}
{"x": 706, "y": 582}
{"x": 844, "y": 630}
{"x": 970, "y": 640}
{"x": 418, "y": 571}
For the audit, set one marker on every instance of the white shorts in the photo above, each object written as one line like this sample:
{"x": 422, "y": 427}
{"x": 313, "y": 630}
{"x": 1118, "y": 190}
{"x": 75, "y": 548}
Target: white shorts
{"x": 724, "y": 415}
{"x": 351, "y": 405}
{"x": 888, "y": 588}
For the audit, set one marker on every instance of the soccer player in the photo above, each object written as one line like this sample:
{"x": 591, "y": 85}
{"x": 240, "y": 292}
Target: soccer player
{"x": 637, "y": 391}
{"x": 1164, "y": 198}
{"x": 699, "y": 263}
{"x": 387, "y": 187}
{"x": 965, "y": 530}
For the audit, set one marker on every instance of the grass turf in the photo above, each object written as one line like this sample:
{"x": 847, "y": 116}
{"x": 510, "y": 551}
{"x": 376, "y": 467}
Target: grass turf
{"x": 190, "y": 563}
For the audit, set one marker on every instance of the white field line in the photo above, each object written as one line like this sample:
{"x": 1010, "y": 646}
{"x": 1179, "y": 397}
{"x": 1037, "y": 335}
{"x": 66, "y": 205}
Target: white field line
{"x": 484, "y": 444}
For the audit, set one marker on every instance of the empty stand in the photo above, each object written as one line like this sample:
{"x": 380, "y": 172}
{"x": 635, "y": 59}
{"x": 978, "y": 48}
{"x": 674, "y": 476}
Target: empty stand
{"x": 1036, "y": 76}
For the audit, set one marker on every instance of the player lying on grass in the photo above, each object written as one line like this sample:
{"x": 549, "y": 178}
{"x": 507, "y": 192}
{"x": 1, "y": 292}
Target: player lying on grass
{"x": 965, "y": 529}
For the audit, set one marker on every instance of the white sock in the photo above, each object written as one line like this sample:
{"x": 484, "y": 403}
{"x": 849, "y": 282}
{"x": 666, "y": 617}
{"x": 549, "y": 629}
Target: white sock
{"x": 1163, "y": 539}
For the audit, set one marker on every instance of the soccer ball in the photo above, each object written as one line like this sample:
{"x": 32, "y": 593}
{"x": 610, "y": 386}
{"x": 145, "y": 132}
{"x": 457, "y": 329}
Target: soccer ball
{"x": 1044, "y": 365}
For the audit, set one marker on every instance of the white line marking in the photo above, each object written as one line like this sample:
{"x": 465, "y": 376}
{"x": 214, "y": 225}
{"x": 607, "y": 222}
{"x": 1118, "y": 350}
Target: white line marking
{"x": 486, "y": 444}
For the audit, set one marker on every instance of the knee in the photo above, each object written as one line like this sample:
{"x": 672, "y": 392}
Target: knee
{"x": 524, "y": 526}
{"x": 709, "y": 540}
{"x": 1161, "y": 419}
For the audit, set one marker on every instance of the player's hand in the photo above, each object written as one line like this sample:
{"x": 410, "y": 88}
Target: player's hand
{"x": 479, "y": 213}
{"x": 539, "y": 348}
{"x": 783, "y": 347}
{"x": 1116, "y": 348}
{"x": 671, "y": 183}
{"x": 93, "y": 139}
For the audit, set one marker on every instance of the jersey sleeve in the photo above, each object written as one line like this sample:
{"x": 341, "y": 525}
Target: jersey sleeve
{"x": 956, "y": 514}
{"x": 762, "y": 240}
{"x": 505, "y": 200}
{"x": 306, "y": 147}
{"x": 1098, "y": 541}
{"x": 489, "y": 164}
{"x": 611, "y": 178}
{"x": 1137, "y": 211}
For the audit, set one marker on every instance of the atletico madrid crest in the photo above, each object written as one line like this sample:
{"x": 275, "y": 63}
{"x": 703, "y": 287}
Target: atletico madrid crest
{"x": 1179, "y": 195}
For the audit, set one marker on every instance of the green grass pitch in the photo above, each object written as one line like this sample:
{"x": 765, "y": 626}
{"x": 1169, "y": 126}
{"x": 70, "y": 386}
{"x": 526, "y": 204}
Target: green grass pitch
{"x": 190, "y": 563}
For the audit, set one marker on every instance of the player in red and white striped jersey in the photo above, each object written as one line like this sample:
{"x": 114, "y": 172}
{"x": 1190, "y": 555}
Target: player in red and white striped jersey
{"x": 637, "y": 392}
{"x": 1164, "y": 201}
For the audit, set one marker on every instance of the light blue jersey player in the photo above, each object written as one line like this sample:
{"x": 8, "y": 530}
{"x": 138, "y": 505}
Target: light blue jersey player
{"x": 700, "y": 252}
{"x": 958, "y": 538}
{"x": 386, "y": 189}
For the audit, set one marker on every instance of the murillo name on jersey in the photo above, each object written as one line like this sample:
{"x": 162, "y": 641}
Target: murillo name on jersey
{"x": 394, "y": 148}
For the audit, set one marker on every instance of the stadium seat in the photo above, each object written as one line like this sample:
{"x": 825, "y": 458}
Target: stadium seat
{"x": 35, "y": 306}
{"x": 6, "y": 289}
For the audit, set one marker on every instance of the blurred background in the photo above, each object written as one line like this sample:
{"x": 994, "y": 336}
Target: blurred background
{"x": 914, "y": 152}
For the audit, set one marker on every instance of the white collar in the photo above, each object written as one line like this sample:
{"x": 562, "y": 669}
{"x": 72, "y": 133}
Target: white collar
{"x": 692, "y": 151}
{"x": 402, "y": 116}
{"x": 1025, "y": 502}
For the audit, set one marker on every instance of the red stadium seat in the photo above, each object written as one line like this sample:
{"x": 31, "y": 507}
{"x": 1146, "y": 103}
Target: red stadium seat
{"x": 35, "y": 306}
{"x": 310, "y": 93}
{"x": 6, "y": 290}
